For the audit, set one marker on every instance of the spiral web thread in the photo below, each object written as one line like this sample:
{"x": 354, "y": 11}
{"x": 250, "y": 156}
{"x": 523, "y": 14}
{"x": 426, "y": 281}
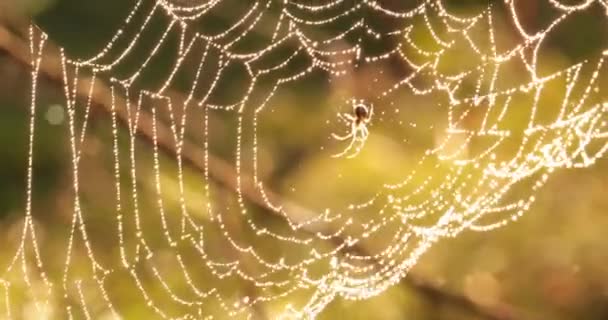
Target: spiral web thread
{"x": 470, "y": 189}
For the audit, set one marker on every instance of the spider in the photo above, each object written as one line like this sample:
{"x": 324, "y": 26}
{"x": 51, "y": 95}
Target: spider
{"x": 358, "y": 120}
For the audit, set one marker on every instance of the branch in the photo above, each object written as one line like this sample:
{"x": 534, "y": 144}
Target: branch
{"x": 219, "y": 169}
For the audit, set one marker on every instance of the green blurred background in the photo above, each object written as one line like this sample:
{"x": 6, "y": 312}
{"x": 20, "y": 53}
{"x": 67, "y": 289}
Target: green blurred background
{"x": 552, "y": 264}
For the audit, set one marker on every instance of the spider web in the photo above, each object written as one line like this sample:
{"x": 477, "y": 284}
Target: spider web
{"x": 501, "y": 120}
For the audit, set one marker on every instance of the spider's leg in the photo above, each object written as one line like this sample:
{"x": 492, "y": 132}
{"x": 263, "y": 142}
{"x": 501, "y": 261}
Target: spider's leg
{"x": 358, "y": 146}
{"x": 342, "y": 138}
{"x": 359, "y": 137}
{"x": 347, "y": 149}
{"x": 364, "y": 132}
{"x": 348, "y": 118}
{"x": 356, "y": 153}
{"x": 351, "y": 134}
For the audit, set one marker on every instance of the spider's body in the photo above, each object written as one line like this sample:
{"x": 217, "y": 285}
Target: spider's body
{"x": 361, "y": 113}
{"x": 358, "y": 120}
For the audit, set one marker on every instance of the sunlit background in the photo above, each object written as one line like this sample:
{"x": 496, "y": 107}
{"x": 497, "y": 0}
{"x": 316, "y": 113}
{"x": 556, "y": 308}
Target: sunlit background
{"x": 550, "y": 264}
